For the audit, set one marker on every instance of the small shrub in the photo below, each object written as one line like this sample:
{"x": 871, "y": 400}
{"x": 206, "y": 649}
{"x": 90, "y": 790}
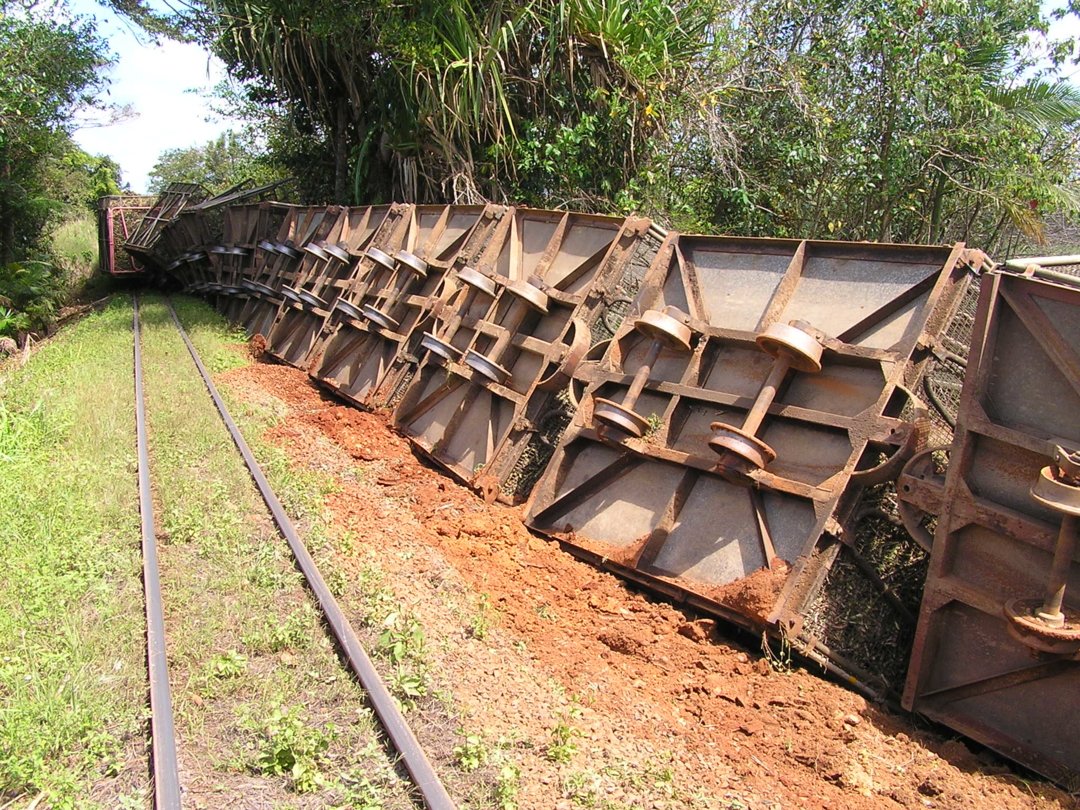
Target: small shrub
{"x": 562, "y": 746}
{"x": 292, "y": 748}
{"x": 480, "y": 622}
{"x": 408, "y": 685}
{"x": 506, "y": 787}
{"x": 227, "y": 665}
{"x": 360, "y": 793}
{"x": 402, "y": 638}
{"x": 292, "y": 634}
{"x": 472, "y": 754}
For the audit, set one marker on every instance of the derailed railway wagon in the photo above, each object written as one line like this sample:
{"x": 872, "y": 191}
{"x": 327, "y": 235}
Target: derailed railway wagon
{"x": 714, "y": 418}
{"x": 118, "y": 217}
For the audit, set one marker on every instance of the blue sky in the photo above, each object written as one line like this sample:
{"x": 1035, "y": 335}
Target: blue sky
{"x": 166, "y": 85}
{"x": 157, "y": 81}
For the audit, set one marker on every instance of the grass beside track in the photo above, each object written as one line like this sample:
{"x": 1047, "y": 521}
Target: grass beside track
{"x": 263, "y": 706}
{"x": 72, "y": 668}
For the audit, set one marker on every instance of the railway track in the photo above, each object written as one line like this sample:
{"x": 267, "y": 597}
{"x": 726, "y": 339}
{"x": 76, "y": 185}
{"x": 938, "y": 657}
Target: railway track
{"x": 167, "y": 784}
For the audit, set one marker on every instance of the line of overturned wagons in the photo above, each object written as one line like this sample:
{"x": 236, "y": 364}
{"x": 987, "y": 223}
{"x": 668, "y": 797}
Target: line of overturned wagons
{"x": 704, "y": 415}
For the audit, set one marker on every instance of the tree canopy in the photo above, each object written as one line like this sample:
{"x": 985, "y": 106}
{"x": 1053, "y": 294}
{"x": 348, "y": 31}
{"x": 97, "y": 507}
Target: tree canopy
{"x": 219, "y": 163}
{"x": 903, "y": 120}
{"x": 921, "y": 120}
{"x": 49, "y": 69}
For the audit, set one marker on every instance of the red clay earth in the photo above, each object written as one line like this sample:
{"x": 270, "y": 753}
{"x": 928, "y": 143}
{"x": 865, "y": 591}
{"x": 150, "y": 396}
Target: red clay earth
{"x": 738, "y": 729}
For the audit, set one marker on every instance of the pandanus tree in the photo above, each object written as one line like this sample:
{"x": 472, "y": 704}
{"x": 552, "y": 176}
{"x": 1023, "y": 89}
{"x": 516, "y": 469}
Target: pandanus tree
{"x": 447, "y": 99}
{"x": 919, "y": 120}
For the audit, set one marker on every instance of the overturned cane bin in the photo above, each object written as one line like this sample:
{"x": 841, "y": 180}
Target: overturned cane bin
{"x": 378, "y": 311}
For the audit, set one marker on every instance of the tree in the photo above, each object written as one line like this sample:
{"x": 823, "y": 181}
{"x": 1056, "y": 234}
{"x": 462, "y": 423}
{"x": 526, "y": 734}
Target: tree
{"x": 895, "y": 120}
{"x": 49, "y": 68}
{"x": 78, "y": 179}
{"x": 218, "y": 164}
{"x": 447, "y": 99}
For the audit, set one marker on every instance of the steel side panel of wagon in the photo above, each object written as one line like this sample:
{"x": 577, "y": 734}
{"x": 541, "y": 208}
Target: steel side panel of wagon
{"x": 509, "y": 341}
{"x": 368, "y": 349}
{"x": 660, "y": 502}
{"x": 994, "y": 542}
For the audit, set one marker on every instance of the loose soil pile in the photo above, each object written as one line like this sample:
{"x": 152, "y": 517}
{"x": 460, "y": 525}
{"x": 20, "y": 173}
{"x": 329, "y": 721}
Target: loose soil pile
{"x": 662, "y": 708}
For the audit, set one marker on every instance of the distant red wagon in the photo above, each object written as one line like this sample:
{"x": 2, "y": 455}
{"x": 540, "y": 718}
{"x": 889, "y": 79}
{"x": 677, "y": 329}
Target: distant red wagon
{"x": 118, "y": 217}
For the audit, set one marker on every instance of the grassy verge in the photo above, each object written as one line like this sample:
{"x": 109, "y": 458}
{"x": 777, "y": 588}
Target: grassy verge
{"x": 263, "y": 704}
{"x": 72, "y": 676}
{"x": 75, "y": 246}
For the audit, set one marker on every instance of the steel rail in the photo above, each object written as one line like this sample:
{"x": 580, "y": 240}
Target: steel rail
{"x": 162, "y": 731}
{"x": 416, "y": 762}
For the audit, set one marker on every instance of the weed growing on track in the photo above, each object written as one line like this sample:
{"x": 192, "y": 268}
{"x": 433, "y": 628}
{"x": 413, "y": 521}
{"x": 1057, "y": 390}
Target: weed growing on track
{"x": 291, "y": 746}
{"x": 472, "y": 754}
{"x": 72, "y": 675}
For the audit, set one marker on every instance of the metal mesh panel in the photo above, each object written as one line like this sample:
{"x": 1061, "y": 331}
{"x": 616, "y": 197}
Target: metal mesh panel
{"x": 851, "y": 614}
{"x": 945, "y": 375}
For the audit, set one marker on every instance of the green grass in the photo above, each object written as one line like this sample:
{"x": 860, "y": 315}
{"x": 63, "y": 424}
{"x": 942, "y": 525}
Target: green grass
{"x": 259, "y": 690}
{"x": 72, "y": 678}
{"x": 75, "y": 246}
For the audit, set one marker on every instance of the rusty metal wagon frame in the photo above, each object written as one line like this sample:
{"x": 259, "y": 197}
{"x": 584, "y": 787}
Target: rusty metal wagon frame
{"x": 175, "y": 199}
{"x": 983, "y": 662}
{"x": 182, "y": 247}
{"x": 274, "y": 265}
{"x": 224, "y": 251}
{"x": 329, "y": 265}
{"x": 369, "y": 343}
{"x": 235, "y": 258}
{"x": 648, "y": 491}
{"x": 292, "y": 310}
{"x": 718, "y": 444}
{"x": 118, "y": 218}
{"x": 507, "y": 340}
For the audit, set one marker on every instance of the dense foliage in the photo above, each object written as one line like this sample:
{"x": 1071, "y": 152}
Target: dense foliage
{"x": 546, "y": 102}
{"x": 223, "y": 162}
{"x": 919, "y": 120}
{"x": 50, "y": 68}
{"x": 903, "y": 120}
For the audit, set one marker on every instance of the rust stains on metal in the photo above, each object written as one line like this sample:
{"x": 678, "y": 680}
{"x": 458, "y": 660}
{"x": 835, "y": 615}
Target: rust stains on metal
{"x": 995, "y": 651}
